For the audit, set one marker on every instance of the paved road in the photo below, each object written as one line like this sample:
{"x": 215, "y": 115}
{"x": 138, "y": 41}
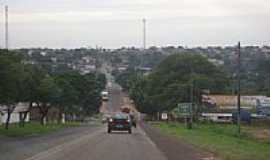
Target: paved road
{"x": 92, "y": 142}
{"x": 103, "y": 146}
{"x": 99, "y": 145}
{"x": 20, "y": 148}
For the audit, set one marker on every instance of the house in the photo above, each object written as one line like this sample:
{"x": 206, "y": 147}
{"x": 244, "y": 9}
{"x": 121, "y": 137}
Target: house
{"x": 16, "y": 116}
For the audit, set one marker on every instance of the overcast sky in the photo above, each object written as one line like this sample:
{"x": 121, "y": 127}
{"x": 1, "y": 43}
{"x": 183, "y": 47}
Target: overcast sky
{"x": 117, "y": 23}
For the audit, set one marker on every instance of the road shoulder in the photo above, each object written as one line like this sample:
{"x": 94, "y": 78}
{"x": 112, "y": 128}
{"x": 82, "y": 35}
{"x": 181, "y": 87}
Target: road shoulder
{"x": 173, "y": 147}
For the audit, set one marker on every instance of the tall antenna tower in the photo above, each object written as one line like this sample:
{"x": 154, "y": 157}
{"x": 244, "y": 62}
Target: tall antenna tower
{"x": 144, "y": 33}
{"x": 6, "y": 26}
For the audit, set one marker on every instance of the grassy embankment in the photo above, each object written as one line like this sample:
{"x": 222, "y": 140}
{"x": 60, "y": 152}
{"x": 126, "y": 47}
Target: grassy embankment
{"x": 31, "y": 129}
{"x": 254, "y": 143}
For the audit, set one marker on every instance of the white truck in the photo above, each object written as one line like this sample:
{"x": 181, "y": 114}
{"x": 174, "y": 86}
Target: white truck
{"x": 105, "y": 95}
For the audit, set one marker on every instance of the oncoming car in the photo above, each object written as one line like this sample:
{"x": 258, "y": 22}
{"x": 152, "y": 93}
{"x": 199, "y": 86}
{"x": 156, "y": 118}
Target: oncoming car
{"x": 120, "y": 122}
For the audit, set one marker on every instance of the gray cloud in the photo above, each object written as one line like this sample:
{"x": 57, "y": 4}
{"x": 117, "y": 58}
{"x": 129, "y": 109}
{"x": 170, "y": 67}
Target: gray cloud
{"x": 115, "y": 23}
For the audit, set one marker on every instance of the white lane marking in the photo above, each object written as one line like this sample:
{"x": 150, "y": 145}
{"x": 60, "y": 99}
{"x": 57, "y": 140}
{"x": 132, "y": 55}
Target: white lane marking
{"x": 61, "y": 147}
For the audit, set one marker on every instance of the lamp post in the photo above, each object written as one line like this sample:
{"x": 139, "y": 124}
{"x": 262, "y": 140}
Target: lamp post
{"x": 6, "y": 27}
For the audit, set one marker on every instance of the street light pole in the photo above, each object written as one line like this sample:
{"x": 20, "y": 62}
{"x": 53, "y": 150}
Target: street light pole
{"x": 6, "y": 27}
{"x": 239, "y": 88}
{"x": 144, "y": 34}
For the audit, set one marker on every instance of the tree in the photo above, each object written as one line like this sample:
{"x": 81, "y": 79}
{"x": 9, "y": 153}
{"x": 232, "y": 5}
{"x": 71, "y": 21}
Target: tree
{"x": 174, "y": 77}
{"x": 90, "y": 95}
{"x": 87, "y": 89}
{"x": 171, "y": 82}
{"x": 125, "y": 77}
{"x": 101, "y": 80}
{"x": 10, "y": 83}
{"x": 263, "y": 76}
{"x": 32, "y": 77}
{"x": 48, "y": 94}
{"x": 68, "y": 96}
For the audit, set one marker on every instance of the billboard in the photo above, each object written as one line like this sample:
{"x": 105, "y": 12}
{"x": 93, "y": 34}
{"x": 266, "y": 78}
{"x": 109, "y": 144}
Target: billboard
{"x": 230, "y": 101}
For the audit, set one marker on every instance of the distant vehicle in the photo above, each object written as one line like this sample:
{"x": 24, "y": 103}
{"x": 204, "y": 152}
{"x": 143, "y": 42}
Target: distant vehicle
{"x": 263, "y": 107}
{"x": 120, "y": 122}
{"x": 127, "y": 110}
{"x": 105, "y": 95}
{"x": 245, "y": 116}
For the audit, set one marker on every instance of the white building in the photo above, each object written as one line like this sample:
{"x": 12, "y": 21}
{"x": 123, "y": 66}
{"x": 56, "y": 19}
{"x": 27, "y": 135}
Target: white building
{"x": 216, "y": 62}
{"x": 16, "y": 115}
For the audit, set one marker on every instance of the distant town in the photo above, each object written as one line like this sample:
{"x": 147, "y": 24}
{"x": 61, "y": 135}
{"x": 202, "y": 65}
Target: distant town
{"x": 88, "y": 60}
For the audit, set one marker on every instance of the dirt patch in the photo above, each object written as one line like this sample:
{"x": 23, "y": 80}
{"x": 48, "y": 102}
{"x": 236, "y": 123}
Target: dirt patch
{"x": 260, "y": 134}
{"x": 174, "y": 148}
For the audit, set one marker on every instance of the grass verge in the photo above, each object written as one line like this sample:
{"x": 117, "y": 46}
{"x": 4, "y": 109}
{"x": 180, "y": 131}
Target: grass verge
{"x": 221, "y": 140}
{"x": 31, "y": 129}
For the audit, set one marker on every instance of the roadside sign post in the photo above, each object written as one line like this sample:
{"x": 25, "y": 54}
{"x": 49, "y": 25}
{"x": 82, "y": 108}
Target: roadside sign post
{"x": 164, "y": 116}
{"x": 185, "y": 110}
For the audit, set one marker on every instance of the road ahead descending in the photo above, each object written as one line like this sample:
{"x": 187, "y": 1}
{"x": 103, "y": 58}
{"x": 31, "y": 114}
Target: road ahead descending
{"x": 100, "y": 145}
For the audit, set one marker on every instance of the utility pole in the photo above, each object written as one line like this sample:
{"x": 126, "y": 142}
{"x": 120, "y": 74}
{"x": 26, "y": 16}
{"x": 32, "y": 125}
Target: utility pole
{"x": 144, "y": 33}
{"x": 144, "y": 43}
{"x": 6, "y": 27}
{"x": 239, "y": 87}
{"x": 190, "y": 121}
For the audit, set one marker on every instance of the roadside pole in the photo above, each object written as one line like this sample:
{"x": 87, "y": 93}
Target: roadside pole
{"x": 184, "y": 110}
{"x": 239, "y": 88}
{"x": 190, "y": 120}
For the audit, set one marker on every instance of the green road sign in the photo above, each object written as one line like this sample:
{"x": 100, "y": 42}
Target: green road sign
{"x": 184, "y": 109}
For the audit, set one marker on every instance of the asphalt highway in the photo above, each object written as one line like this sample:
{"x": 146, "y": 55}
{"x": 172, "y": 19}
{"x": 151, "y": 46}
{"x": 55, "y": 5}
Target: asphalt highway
{"x": 99, "y": 145}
